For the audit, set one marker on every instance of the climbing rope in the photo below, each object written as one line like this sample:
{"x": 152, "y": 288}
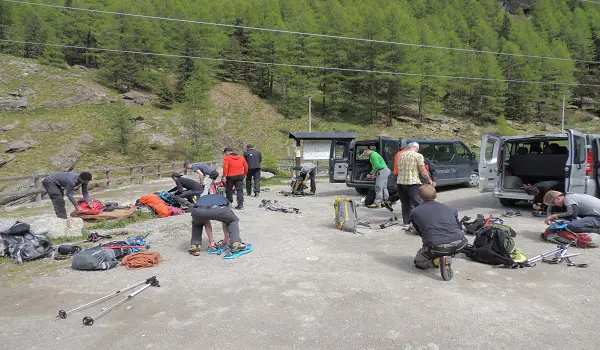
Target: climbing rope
{"x": 141, "y": 260}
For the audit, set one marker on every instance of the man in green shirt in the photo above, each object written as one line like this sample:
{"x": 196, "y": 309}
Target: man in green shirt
{"x": 380, "y": 172}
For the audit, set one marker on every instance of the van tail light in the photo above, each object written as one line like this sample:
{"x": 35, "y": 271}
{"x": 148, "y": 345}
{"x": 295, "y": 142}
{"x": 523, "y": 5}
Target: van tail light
{"x": 589, "y": 162}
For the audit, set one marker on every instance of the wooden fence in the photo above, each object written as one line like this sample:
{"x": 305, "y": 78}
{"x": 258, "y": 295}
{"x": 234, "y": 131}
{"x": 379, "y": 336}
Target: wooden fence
{"x": 107, "y": 177}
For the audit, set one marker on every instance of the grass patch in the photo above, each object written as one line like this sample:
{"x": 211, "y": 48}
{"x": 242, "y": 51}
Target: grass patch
{"x": 110, "y": 224}
{"x": 504, "y": 128}
{"x": 12, "y": 274}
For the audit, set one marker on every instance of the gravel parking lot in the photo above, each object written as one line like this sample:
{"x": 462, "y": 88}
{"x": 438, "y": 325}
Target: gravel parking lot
{"x": 309, "y": 285}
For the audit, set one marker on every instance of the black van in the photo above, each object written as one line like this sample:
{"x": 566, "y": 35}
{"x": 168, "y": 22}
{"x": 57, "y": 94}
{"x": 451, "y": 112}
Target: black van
{"x": 455, "y": 163}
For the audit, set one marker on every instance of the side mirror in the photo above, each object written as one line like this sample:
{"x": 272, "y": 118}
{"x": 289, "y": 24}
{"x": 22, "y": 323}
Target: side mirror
{"x": 473, "y": 155}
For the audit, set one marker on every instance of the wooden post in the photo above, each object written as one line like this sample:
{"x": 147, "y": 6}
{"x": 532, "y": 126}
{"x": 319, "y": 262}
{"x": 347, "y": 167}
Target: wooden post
{"x": 131, "y": 176}
{"x": 107, "y": 173}
{"x": 172, "y": 167}
{"x": 158, "y": 172}
{"x": 298, "y": 154}
{"x": 142, "y": 173}
{"x": 38, "y": 195}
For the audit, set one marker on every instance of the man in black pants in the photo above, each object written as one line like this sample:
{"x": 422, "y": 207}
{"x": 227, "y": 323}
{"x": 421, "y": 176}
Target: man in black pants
{"x": 214, "y": 207}
{"x": 439, "y": 229}
{"x": 310, "y": 170}
{"x": 411, "y": 167}
{"x": 235, "y": 168}
{"x": 56, "y": 184}
{"x": 186, "y": 190}
{"x": 253, "y": 158}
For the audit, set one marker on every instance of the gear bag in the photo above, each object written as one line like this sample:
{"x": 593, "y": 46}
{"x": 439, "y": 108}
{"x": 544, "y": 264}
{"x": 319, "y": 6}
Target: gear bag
{"x": 87, "y": 210}
{"x": 99, "y": 257}
{"x": 24, "y": 247}
{"x": 493, "y": 245}
{"x": 157, "y": 204}
{"x": 346, "y": 218}
{"x": 557, "y": 233}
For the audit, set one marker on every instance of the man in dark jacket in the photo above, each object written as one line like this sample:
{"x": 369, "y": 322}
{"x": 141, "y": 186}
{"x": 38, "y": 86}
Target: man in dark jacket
{"x": 56, "y": 184}
{"x": 186, "y": 190}
{"x": 235, "y": 169}
{"x": 438, "y": 227}
{"x": 253, "y": 158}
{"x": 215, "y": 207}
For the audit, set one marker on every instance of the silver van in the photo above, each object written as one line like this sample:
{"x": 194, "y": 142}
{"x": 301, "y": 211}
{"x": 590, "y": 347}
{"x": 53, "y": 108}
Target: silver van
{"x": 507, "y": 163}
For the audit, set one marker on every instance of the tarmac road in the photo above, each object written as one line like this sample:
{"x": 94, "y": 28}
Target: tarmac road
{"x": 308, "y": 285}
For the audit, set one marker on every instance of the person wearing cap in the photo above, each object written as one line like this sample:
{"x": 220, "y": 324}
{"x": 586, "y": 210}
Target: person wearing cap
{"x": 215, "y": 207}
{"x": 235, "y": 168}
{"x": 381, "y": 173}
{"x": 253, "y": 158}
{"x": 582, "y": 209}
{"x": 186, "y": 190}
{"x": 309, "y": 169}
{"x": 206, "y": 174}
{"x": 56, "y": 185}
{"x": 411, "y": 167}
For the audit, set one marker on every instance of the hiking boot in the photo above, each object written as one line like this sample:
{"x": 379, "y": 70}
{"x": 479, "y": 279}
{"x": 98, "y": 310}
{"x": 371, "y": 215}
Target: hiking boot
{"x": 387, "y": 205}
{"x": 239, "y": 207}
{"x": 373, "y": 206}
{"x": 195, "y": 249}
{"x": 255, "y": 194}
{"x": 238, "y": 247}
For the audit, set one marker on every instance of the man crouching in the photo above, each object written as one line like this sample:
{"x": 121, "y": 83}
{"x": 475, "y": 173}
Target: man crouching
{"x": 437, "y": 225}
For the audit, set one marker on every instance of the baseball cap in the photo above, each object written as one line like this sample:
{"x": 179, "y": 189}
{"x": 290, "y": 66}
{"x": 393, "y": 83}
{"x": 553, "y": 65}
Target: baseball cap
{"x": 228, "y": 149}
{"x": 363, "y": 152}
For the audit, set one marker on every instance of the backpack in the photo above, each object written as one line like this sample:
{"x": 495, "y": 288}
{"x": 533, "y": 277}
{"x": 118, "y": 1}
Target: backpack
{"x": 167, "y": 197}
{"x": 26, "y": 246}
{"x": 346, "y": 218}
{"x": 493, "y": 245}
{"x": 100, "y": 258}
{"x": 558, "y": 234}
{"x": 472, "y": 227}
{"x": 157, "y": 204}
{"x": 98, "y": 207}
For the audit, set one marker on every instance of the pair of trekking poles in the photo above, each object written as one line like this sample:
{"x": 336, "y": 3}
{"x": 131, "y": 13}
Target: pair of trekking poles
{"x": 88, "y": 321}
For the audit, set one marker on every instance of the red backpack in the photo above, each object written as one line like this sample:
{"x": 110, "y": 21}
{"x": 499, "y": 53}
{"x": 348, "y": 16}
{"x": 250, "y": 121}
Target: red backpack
{"x": 98, "y": 207}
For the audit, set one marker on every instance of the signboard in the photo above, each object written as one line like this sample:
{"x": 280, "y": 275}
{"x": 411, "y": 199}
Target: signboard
{"x": 316, "y": 149}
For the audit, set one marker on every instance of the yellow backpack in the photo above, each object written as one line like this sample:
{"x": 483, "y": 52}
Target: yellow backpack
{"x": 346, "y": 218}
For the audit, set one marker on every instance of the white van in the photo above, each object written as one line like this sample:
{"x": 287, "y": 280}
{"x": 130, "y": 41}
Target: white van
{"x": 506, "y": 163}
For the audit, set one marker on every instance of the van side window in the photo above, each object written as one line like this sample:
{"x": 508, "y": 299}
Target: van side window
{"x": 462, "y": 151}
{"x": 579, "y": 151}
{"x": 489, "y": 150}
{"x": 340, "y": 151}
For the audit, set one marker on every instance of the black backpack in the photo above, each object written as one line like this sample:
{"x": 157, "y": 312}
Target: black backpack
{"x": 100, "y": 257}
{"x": 21, "y": 244}
{"x": 493, "y": 245}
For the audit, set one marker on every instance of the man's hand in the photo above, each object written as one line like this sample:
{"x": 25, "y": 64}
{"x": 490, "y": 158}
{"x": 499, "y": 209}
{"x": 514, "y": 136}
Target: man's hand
{"x": 433, "y": 183}
{"x": 371, "y": 176}
{"x": 79, "y": 209}
{"x": 549, "y": 219}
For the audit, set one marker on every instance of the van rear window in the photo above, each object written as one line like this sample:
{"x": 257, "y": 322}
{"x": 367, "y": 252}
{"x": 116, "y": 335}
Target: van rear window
{"x": 360, "y": 149}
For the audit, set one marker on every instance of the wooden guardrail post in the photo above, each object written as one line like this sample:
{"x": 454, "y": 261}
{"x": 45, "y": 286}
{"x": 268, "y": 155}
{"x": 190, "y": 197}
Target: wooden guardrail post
{"x": 172, "y": 167}
{"x": 107, "y": 174}
{"x": 142, "y": 173}
{"x": 131, "y": 176}
{"x": 158, "y": 173}
{"x": 36, "y": 182}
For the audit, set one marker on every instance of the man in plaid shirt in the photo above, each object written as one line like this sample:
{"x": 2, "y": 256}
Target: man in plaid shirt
{"x": 410, "y": 164}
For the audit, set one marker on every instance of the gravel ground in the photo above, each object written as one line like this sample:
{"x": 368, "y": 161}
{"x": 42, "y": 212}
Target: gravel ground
{"x": 309, "y": 285}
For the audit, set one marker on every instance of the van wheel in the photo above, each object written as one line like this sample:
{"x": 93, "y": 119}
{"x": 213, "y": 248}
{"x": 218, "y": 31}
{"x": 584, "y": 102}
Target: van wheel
{"x": 507, "y": 202}
{"x": 473, "y": 180}
{"x": 362, "y": 190}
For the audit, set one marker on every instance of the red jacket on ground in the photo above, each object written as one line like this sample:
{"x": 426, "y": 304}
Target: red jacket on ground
{"x": 234, "y": 165}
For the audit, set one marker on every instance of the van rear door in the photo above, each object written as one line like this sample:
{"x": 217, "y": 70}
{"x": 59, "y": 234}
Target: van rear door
{"x": 576, "y": 165}
{"x": 488, "y": 162}
{"x": 388, "y": 147}
{"x": 338, "y": 160}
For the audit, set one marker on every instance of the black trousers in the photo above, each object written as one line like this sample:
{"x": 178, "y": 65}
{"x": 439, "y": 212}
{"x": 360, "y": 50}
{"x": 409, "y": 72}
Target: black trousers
{"x": 57, "y": 197}
{"x": 409, "y": 197}
{"x": 253, "y": 174}
{"x": 201, "y": 216}
{"x": 187, "y": 197}
{"x": 313, "y": 179}
{"x": 238, "y": 182}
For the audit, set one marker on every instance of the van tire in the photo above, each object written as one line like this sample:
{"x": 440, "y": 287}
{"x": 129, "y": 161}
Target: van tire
{"x": 473, "y": 180}
{"x": 507, "y": 202}
{"x": 362, "y": 190}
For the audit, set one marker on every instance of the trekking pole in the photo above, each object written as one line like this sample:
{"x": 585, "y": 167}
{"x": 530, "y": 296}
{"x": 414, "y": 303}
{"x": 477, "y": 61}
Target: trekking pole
{"x": 88, "y": 321}
{"x": 63, "y": 314}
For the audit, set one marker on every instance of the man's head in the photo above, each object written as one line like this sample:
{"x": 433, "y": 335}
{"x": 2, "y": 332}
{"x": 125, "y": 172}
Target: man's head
{"x": 188, "y": 165}
{"x": 175, "y": 176}
{"x": 427, "y": 193}
{"x": 85, "y": 177}
{"x": 228, "y": 151}
{"x": 249, "y": 147}
{"x": 413, "y": 146}
{"x": 554, "y": 198}
{"x": 366, "y": 153}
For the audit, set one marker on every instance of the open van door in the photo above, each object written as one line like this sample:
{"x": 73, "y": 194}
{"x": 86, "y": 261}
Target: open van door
{"x": 388, "y": 147}
{"x": 338, "y": 160}
{"x": 576, "y": 163}
{"x": 488, "y": 162}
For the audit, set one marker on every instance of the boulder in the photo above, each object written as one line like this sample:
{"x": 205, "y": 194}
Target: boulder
{"x": 5, "y": 158}
{"x": 86, "y": 138}
{"x": 549, "y": 127}
{"x": 160, "y": 139}
{"x": 444, "y": 127}
{"x": 24, "y": 91}
{"x": 135, "y": 97}
{"x": 141, "y": 126}
{"x": 49, "y": 126}
{"x": 8, "y": 127}
{"x": 13, "y": 104}
{"x": 265, "y": 175}
{"x": 54, "y": 227}
{"x": 66, "y": 159}
{"x": 17, "y": 146}
{"x": 476, "y": 132}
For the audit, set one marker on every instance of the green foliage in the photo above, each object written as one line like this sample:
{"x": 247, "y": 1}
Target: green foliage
{"x": 123, "y": 130}
{"x": 503, "y": 128}
{"x": 109, "y": 225}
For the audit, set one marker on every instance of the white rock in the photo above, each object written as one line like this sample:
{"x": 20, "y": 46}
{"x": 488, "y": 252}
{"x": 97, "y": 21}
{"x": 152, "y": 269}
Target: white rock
{"x": 266, "y": 175}
{"x": 55, "y": 227}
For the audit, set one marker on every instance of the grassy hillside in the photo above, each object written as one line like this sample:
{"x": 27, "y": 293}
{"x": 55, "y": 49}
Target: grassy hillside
{"x": 70, "y": 109}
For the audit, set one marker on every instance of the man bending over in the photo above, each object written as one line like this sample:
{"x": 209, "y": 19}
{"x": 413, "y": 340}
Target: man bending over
{"x": 583, "y": 209}
{"x": 436, "y": 224}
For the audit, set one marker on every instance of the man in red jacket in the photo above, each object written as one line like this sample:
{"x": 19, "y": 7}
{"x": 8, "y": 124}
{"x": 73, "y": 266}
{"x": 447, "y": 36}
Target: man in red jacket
{"x": 235, "y": 169}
